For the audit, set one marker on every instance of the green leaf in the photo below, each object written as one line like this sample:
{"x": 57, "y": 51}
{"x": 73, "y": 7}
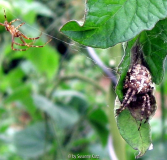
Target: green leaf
{"x": 123, "y": 68}
{"x": 108, "y": 22}
{"x": 71, "y": 98}
{"x": 45, "y": 59}
{"x": 98, "y": 119}
{"x": 36, "y": 7}
{"x": 154, "y": 46}
{"x": 31, "y": 142}
{"x": 64, "y": 116}
{"x": 22, "y": 94}
{"x": 95, "y": 114}
{"x": 18, "y": 94}
{"x": 31, "y": 10}
{"x": 12, "y": 80}
{"x": 128, "y": 128}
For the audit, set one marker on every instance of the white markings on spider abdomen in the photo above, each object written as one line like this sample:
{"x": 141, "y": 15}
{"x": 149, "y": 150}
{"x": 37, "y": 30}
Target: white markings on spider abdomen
{"x": 139, "y": 79}
{"x": 142, "y": 85}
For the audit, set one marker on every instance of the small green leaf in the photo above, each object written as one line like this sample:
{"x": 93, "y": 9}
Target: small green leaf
{"x": 19, "y": 94}
{"x": 123, "y": 68}
{"x": 99, "y": 124}
{"x": 36, "y": 7}
{"x": 71, "y": 98}
{"x": 110, "y": 22}
{"x": 64, "y": 116}
{"x": 12, "y": 80}
{"x": 128, "y": 128}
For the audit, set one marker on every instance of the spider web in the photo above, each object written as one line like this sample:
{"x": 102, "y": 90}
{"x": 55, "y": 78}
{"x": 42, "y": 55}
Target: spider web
{"x": 73, "y": 47}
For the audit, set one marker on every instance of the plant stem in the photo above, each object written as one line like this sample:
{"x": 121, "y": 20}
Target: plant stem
{"x": 98, "y": 61}
{"x": 76, "y": 76}
{"x": 162, "y": 110}
{"x": 118, "y": 142}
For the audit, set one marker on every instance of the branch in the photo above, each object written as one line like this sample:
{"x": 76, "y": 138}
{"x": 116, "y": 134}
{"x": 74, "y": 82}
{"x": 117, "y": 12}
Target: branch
{"x": 98, "y": 61}
{"x": 83, "y": 78}
{"x": 76, "y": 76}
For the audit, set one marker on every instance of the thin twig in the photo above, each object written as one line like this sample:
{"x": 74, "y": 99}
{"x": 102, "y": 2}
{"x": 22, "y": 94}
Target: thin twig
{"x": 76, "y": 76}
{"x": 98, "y": 61}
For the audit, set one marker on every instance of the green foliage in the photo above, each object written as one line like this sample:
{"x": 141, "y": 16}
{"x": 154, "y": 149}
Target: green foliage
{"x": 154, "y": 55}
{"x": 110, "y": 22}
{"x": 154, "y": 50}
{"x": 128, "y": 128}
{"x": 55, "y": 101}
{"x": 99, "y": 124}
{"x": 46, "y": 64}
{"x": 7, "y": 6}
{"x": 46, "y": 111}
{"x": 31, "y": 142}
{"x": 63, "y": 116}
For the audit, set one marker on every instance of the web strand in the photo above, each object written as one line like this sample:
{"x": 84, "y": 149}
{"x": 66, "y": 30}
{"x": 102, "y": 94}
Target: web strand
{"x": 73, "y": 46}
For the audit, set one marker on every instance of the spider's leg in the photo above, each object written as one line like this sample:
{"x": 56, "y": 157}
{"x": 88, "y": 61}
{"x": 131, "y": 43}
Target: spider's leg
{"x": 128, "y": 98}
{"x": 148, "y": 107}
{"x": 19, "y": 44}
{"x": 30, "y": 45}
{"x": 13, "y": 42}
{"x": 5, "y": 14}
{"x": 2, "y": 24}
{"x": 38, "y": 46}
{"x": 142, "y": 110}
{"x": 14, "y": 21}
{"x": 31, "y": 38}
{"x": 24, "y": 43}
{"x": 19, "y": 26}
{"x": 122, "y": 107}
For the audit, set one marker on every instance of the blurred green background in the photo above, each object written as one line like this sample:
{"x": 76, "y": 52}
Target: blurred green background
{"x": 55, "y": 102}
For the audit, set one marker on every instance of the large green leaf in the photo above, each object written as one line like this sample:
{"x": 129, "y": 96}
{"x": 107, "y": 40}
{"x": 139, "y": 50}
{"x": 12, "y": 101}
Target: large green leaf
{"x": 108, "y": 22}
{"x": 32, "y": 142}
{"x": 154, "y": 47}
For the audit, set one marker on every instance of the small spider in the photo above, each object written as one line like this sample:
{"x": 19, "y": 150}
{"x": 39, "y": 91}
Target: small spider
{"x": 16, "y": 33}
{"x": 138, "y": 93}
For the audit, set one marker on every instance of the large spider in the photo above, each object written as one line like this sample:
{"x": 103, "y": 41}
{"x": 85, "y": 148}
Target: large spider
{"x": 138, "y": 93}
{"x": 16, "y": 33}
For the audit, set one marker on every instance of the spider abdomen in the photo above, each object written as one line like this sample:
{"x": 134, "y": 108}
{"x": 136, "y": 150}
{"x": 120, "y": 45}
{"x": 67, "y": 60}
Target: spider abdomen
{"x": 139, "y": 79}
